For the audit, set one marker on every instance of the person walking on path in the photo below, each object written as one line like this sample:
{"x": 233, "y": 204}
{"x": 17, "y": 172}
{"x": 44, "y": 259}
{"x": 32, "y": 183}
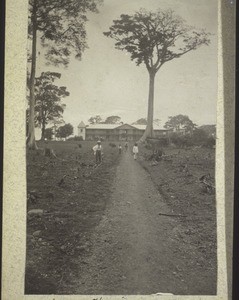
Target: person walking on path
{"x": 135, "y": 150}
{"x": 120, "y": 148}
{"x": 126, "y": 147}
{"x": 98, "y": 152}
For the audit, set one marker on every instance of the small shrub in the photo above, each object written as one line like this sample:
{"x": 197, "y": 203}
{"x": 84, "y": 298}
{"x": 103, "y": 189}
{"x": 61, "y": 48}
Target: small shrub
{"x": 148, "y": 146}
{"x": 210, "y": 142}
{"x": 156, "y": 143}
{"x": 163, "y": 141}
{"x": 76, "y": 138}
{"x": 181, "y": 141}
{"x": 199, "y": 137}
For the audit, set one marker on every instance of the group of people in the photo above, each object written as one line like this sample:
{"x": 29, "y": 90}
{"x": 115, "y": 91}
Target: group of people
{"x": 98, "y": 151}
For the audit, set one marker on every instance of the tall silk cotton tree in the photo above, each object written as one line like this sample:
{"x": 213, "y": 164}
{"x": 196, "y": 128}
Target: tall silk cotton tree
{"x": 59, "y": 25}
{"x": 154, "y": 38}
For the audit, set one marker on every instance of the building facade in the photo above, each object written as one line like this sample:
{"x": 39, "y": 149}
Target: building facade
{"x": 117, "y": 132}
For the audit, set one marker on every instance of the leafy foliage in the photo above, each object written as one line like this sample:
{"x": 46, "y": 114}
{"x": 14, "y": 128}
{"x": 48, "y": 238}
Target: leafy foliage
{"x": 154, "y": 38}
{"x": 61, "y": 24}
{"x": 181, "y": 141}
{"x": 210, "y": 142}
{"x": 199, "y": 136}
{"x": 180, "y": 122}
{"x": 64, "y": 131}
{"x": 48, "y": 96}
{"x": 141, "y": 121}
{"x": 75, "y": 138}
{"x": 95, "y": 120}
{"x": 209, "y": 129}
{"x": 48, "y": 133}
{"x": 112, "y": 120}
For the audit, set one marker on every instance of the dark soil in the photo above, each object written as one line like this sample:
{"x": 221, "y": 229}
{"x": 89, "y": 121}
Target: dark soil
{"x": 60, "y": 237}
{"x": 184, "y": 193}
{"x": 120, "y": 228}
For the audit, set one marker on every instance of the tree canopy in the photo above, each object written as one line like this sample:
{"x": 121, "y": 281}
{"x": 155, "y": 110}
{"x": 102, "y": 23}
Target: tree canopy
{"x": 112, "y": 120}
{"x": 141, "y": 121}
{"x": 180, "y": 122}
{"x": 48, "y": 133}
{"x": 152, "y": 39}
{"x": 64, "y": 131}
{"x": 209, "y": 129}
{"x": 109, "y": 120}
{"x": 199, "y": 136}
{"x": 48, "y": 96}
{"x": 95, "y": 119}
{"x": 61, "y": 27}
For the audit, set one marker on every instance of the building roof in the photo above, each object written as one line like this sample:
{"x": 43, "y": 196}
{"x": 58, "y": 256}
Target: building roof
{"x": 102, "y": 126}
{"x": 142, "y": 127}
{"x": 125, "y": 126}
{"x": 113, "y": 126}
{"x": 82, "y": 124}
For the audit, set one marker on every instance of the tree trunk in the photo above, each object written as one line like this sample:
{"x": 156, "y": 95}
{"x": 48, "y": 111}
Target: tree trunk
{"x": 43, "y": 129}
{"x": 31, "y": 143}
{"x": 149, "y": 128}
{"x": 43, "y": 119}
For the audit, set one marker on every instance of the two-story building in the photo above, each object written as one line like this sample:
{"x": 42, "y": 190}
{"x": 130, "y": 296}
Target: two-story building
{"x": 117, "y": 132}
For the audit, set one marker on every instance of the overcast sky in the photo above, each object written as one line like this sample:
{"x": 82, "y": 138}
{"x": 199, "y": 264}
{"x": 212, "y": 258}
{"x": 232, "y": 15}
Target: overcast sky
{"x": 107, "y": 82}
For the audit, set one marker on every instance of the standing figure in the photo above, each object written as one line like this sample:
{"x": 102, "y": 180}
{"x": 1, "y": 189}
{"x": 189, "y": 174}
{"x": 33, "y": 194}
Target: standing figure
{"x": 135, "y": 150}
{"x": 98, "y": 152}
{"x": 120, "y": 149}
{"x": 126, "y": 146}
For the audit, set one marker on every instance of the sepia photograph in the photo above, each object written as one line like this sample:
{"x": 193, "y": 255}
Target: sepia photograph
{"x": 121, "y": 133}
{"x": 116, "y": 137}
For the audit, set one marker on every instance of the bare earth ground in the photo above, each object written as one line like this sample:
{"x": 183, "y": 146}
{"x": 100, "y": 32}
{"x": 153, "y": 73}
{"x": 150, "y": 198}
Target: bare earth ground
{"x": 116, "y": 234}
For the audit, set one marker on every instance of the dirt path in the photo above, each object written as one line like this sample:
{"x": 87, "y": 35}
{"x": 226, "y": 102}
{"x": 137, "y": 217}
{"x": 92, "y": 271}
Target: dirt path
{"x": 134, "y": 248}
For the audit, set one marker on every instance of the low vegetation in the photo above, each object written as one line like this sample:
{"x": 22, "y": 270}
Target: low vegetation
{"x": 186, "y": 180}
{"x": 67, "y": 195}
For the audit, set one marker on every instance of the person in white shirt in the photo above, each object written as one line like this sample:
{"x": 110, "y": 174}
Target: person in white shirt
{"x": 98, "y": 152}
{"x": 120, "y": 148}
{"x": 135, "y": 150}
